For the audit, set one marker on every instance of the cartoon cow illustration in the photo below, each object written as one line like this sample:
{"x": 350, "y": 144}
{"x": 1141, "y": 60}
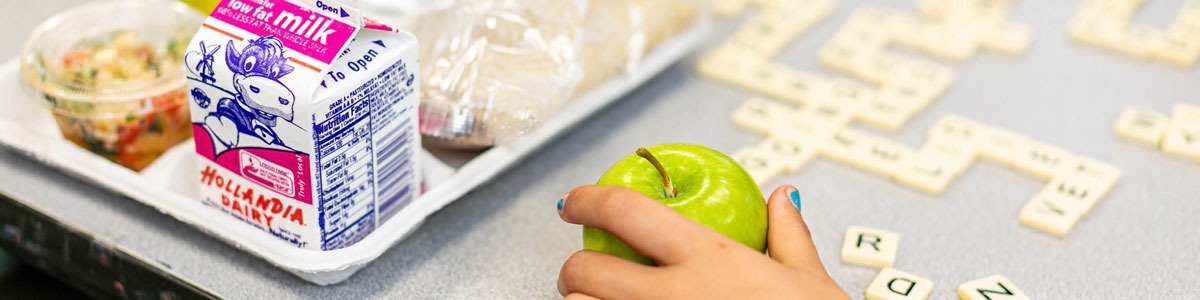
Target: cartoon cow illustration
{"x": 259, "y": 100}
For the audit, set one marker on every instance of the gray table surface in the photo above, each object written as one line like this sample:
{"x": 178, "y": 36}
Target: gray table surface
{"x": 504, "y": 240}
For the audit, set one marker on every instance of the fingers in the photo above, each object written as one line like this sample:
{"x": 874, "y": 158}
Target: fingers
{"x": 649, "y": 227}
{"x": 788, "y": 239}
{"x": 604, "y": 276}
{"x": 578, "y": 296}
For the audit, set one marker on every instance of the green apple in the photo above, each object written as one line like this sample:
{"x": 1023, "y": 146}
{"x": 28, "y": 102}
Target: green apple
{"x": 700, "y": 183}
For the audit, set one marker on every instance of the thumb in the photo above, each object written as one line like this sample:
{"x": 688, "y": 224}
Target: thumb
{"x": 788, "y": 239}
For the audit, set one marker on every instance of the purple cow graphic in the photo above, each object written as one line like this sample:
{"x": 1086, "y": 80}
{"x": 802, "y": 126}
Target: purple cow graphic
{"x": 260, "y": 99}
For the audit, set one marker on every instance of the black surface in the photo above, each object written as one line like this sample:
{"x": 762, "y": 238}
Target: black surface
{"x": 80, "y": 261}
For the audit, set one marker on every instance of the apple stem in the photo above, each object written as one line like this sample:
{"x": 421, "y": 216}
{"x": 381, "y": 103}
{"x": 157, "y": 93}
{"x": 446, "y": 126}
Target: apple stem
{"x": 661, "y": 171}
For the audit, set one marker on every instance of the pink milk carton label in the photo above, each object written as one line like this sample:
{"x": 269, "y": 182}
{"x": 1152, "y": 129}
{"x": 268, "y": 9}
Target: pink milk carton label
{"x": 305, "y": 119}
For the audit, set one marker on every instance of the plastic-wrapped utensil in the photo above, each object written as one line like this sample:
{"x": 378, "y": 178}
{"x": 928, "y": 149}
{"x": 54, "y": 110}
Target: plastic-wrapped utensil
{"x": 493, "y": 70}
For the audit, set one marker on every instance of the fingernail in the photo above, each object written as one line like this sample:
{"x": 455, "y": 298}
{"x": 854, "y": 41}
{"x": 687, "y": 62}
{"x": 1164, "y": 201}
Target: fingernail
{"x": 560, "y": 204}
{"x": 795, "y": 195}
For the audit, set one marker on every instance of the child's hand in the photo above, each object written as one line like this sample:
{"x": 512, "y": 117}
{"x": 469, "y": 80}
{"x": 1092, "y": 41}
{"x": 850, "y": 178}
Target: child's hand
{"x": 694, "y": 261}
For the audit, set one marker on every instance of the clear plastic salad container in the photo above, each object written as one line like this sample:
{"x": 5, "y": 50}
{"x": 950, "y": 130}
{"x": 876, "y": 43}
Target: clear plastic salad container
{"x": 111, "y": 72}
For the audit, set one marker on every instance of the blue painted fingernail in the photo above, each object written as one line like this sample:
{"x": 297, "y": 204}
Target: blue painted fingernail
{"x": 795, "y": 195}
{"x": 560, "y": 203}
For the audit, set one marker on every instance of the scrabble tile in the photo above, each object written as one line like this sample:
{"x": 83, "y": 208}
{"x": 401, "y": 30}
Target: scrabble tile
{"x": 797, "y": 87}
{"x": 958, "y": 129}
{"x": 814, "y": 10}
{"x": 1095, "y": 171}
{"x": 762, "y": 36}
{"x": 850, "y": 93}
{"x": 1009, "y": 39}
{"x": 1137, "y": 41}
{"x": 979, "y": 19}
{"x": 776, "y": 4}
{"x": 1182, "y": 140}
{"x": 862, "y": 34}
{"x": 913, "y": 33}
{"x": 926, "y": 174}
{"x": 761, "y": 115}
{"x": 949, "y": 43}
{"x": 892, "y": 284}
{"x": 866, "y": 152}
{"x": 955, "y": 157}
{"x": 834, "y": 114}
{"x": 994, "y": 287}
{"x": 1042, "y": 160}
{"x": 879, "y": 69}
{"x": 768, "y": 79}
{"x": 935, "y": 8}
{"x": 844, "y": 146}
{"x": 771, "y": 31}
{"x": 1176, "y": 47}
{"x": 760, "y": 165}
{"x": 1002, "y": 146}
{"x": 871, "y": 16}
{"x": 728, "y": 64}
{"x": 1141, "y": 125}
{"x": 885, "y": 68}
{"x": 790, "y": 84}
{"x": 915, "y": 95}
{"x": 1049, "y": 215}
{"x": 1096, "y": 31}
{"x": 1077, "y": 193}
{"x": 728, "y": 8}
{"x": 791, "y": 152}
{"x": 1185, "y": 113}
{"x": 843, "y": 56}
{"x": 882, "y": 157}
{"x": 807, "y": 127}
{"x": 934, "y": 77}
{"x": 870, "y": 247}
{"x": 939, "y": 8}
{"x": 886, "y": 112}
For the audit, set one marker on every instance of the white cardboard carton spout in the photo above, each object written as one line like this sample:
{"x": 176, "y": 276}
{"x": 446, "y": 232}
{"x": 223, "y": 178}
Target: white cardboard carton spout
{"x": 305, "y": 119}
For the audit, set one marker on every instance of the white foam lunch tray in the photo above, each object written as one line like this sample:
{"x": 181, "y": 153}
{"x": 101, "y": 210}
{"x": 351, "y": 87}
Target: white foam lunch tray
{"x": 29, "y": 128}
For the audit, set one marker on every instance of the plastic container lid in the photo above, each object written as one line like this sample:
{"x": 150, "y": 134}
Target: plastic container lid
{"x": 166, "y": 26}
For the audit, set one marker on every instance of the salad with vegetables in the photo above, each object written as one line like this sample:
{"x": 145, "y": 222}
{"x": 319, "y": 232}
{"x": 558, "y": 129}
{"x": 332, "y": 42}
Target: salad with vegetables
{"x": 118, "y": 96}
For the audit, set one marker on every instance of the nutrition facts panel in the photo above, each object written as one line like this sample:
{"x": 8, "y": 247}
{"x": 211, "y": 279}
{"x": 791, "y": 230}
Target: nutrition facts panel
{"x": 362, "y": 164}
{"x": 345, "y": 171}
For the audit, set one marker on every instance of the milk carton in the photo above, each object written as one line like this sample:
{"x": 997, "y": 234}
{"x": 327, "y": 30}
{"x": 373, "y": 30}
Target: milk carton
{"x": 305, "y": 119}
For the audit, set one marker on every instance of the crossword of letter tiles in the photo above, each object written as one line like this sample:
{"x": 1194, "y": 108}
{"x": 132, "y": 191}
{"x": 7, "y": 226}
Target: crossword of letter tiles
{"x": 994, "y": 287}
{"x": 820, "y": 108}
{"x": 824, "y": 107}
{"x": 1106, "y": 24}
{"x": 870, "y": 247}
{"x": 892, "y": 284}
{"x": 1177, "y": 135}
{"x": 1077, "y": 183}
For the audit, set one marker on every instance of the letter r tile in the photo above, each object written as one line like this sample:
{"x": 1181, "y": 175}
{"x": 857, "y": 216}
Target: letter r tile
{"x": 870, "y": 247}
